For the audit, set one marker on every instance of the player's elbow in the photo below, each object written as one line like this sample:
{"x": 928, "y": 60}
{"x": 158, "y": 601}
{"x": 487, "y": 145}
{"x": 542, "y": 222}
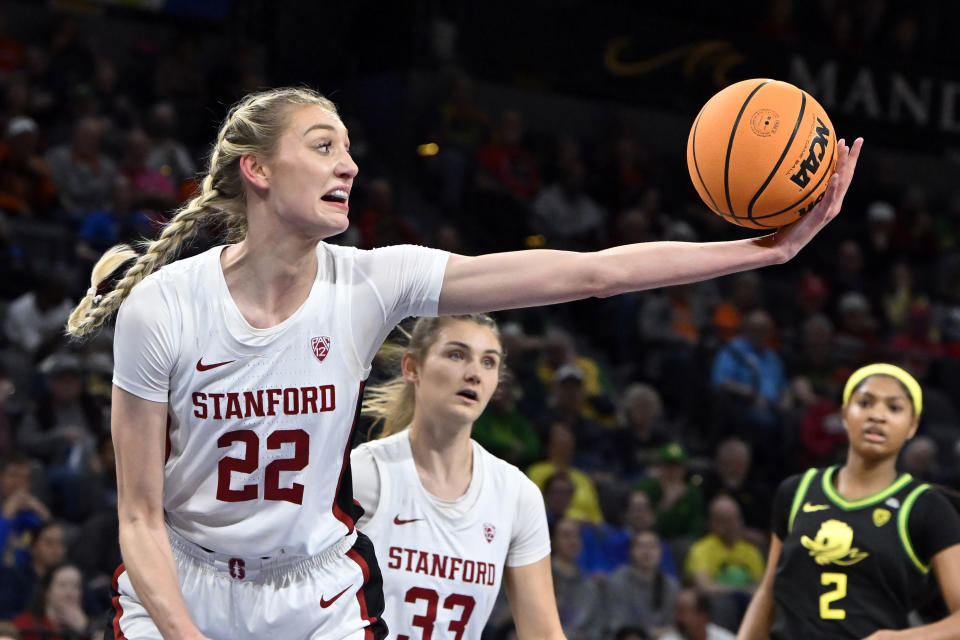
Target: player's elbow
{"x": 601, "y": 279}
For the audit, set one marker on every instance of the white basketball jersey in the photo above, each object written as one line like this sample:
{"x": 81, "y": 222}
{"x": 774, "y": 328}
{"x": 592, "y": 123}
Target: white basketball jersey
{"x": 260, "y": 420}
{"x": 441, "y": 574}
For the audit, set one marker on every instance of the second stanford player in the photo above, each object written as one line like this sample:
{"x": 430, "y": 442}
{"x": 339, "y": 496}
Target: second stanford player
{"x": 449, "y": 520}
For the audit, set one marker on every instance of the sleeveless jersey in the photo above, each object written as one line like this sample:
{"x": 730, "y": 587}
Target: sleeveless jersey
{"x": 847, "y": 569}
{"x": 441, "y": 574}
{"x": 260, "y": 420}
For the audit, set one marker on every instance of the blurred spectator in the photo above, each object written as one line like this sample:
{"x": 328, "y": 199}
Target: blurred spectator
{"x": 35, "y": 321}
{"x": 7, "y": 389}
{"x": 47, "y": 550}
{"x": 723, "y": 560}
{"x": 823, "y": 440}
{"x": 557, "y": 496}
{"x": 640, "y": 593}
{"x": 83, "y": 174}
{"x": 568, "y": 404}
{"x": 579, "y": 600}
{"x": 63, "y": 431}
{"x": 729, "y": 314}
{"x": 898, "y": 296}
{"x": 917, "y": 346}
{"x": 606, "y": 547}
{"x": 920, "y": 457}
{"x": 56, "y": 612}
{"x": 692, "y": 619}
{"x": 21, "y": 512}
{"x": 123, "y": 221}
{"x": 856, "y": 335}
{"x": 504, "y": 164}
{"x": 812, "y": 360}
{"x": 557, "y": 349}
{"x": 733, "y": 475}
{"x": 677, "y": 501}
{"x": 566, "y": 215}
{"x": 505, "y": 431}
{"x": 560, "y": 447}
{"x": 749, "y": 379}
{"x": 880, "y": 250}
{"x": 379, "y": 223}
{"x": 27, "y": 189}
{"x": 153, "y": 189}
{"x": 168, "y": 154}
{"x": 849, "y": 275}
{"x": 11, "y": 50}
{"x": 641, "y": 430}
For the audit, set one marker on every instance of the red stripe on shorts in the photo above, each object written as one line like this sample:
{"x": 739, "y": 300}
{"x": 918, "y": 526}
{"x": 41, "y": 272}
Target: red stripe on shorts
{"x": 361, "y": 599}
{"x": 117, "y": 631}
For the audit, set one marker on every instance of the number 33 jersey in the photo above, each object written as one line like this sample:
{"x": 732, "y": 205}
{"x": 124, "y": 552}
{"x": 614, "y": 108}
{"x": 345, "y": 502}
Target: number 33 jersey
{"x": 260, "y": 419}
{"x": 442, "y": 561}
{"x": 850, "y": 568}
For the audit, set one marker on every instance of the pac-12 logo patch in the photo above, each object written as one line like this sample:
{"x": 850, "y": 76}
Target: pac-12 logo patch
{"x": 320, "y": 346}
{"x": 489, "y": 531}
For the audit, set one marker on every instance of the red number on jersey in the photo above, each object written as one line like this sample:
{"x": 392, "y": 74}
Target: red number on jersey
{"x": 251, "y": 461}
{"x": 427, "y": 620}
{"x": 301, "y": 456}
{"x": 247, "y": 464}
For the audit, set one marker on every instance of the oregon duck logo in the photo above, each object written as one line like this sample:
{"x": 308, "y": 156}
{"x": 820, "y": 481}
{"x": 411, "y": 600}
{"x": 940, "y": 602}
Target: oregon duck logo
{"x": 833, "y": 544}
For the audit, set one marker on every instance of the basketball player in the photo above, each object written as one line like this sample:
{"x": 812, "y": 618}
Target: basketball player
{"x": 449, "y": 520}
{"x": 238, "y": 372}
{"x": 852, "y": 546}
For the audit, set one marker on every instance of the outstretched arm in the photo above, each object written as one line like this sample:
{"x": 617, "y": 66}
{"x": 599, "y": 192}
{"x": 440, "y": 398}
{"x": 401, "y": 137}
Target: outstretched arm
{"x": 530, "y": 278}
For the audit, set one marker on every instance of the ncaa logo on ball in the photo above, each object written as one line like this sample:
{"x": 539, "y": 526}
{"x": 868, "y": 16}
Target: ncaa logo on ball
{"x": 764, "y": 122}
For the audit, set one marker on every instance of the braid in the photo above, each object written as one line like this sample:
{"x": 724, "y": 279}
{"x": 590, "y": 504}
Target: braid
{"x": 253, "y": 126}
{"x": 91, "y": 313}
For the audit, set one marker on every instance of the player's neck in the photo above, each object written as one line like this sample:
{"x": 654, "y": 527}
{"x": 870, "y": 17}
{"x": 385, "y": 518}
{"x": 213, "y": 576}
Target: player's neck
{"x": 860, "y": 478}
{"x": 268, "y": 283}
{"x": 443, "y": 458}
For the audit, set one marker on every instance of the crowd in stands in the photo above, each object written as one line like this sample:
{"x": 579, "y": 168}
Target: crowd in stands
{"x": 657, "y": 424}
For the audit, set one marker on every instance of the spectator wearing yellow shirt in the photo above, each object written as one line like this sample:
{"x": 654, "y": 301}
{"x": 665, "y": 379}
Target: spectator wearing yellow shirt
{"x": 585, "y": 505}
{"x": 724, "y": 564}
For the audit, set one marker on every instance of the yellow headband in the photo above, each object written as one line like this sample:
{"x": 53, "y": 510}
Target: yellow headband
{"x": 882, "y": 369}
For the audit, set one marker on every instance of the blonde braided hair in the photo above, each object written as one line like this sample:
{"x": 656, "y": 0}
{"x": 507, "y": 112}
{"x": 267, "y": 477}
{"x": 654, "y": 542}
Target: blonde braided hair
{"x": 252, "y": 127}
{"x": 392, "y": 402}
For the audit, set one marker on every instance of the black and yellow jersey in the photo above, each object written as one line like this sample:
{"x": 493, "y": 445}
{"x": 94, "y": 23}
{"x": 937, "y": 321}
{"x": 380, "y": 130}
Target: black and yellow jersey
{"x": 849, "y": 568}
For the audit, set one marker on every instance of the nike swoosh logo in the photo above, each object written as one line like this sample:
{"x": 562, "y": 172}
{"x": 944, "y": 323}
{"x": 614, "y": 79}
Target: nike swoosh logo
{"x": 397, "y": 520}
{"x": 326, "y": 603}
{"x": 207, "y": 367}
{"x": 810, "y": 508}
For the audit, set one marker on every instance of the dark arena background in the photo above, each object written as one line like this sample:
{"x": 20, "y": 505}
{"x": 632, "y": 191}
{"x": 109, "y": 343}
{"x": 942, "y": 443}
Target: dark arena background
{"x": 492, "y": 126}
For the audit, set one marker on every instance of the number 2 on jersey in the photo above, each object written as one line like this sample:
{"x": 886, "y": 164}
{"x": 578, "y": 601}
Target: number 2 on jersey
{"x": 828, "y": 598}
{"x": 425, "y": 621}
{"x": 250, "y": 462}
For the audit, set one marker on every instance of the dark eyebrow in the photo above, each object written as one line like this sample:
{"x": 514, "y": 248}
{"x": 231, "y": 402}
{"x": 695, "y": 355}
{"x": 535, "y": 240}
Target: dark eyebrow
{"x": 464, "y": 345}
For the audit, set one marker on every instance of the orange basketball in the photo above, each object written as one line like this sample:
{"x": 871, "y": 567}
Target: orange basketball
{"x": 760, "y": 153}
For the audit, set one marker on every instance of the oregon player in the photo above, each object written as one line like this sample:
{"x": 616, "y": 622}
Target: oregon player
{"x": 853, "y": 547}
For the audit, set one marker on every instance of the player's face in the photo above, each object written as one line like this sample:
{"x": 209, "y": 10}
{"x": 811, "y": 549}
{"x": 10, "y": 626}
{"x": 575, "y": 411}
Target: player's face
{"x": 311, "y": 173}
{"x": 879, "y": 417}
{"x": 459, "y": 373}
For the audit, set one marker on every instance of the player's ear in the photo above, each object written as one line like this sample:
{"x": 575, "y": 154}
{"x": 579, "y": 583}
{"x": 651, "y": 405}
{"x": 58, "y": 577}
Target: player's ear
{"x": 410, "y": 368}
{"x": 256, "y": 172}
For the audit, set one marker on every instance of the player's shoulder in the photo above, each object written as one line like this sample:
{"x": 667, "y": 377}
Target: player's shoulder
{"x": 183, "y": 272}
{"x": 393, "y": 448}
{"x": 791, "y": 483}
{"x": 502, "y": 470}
